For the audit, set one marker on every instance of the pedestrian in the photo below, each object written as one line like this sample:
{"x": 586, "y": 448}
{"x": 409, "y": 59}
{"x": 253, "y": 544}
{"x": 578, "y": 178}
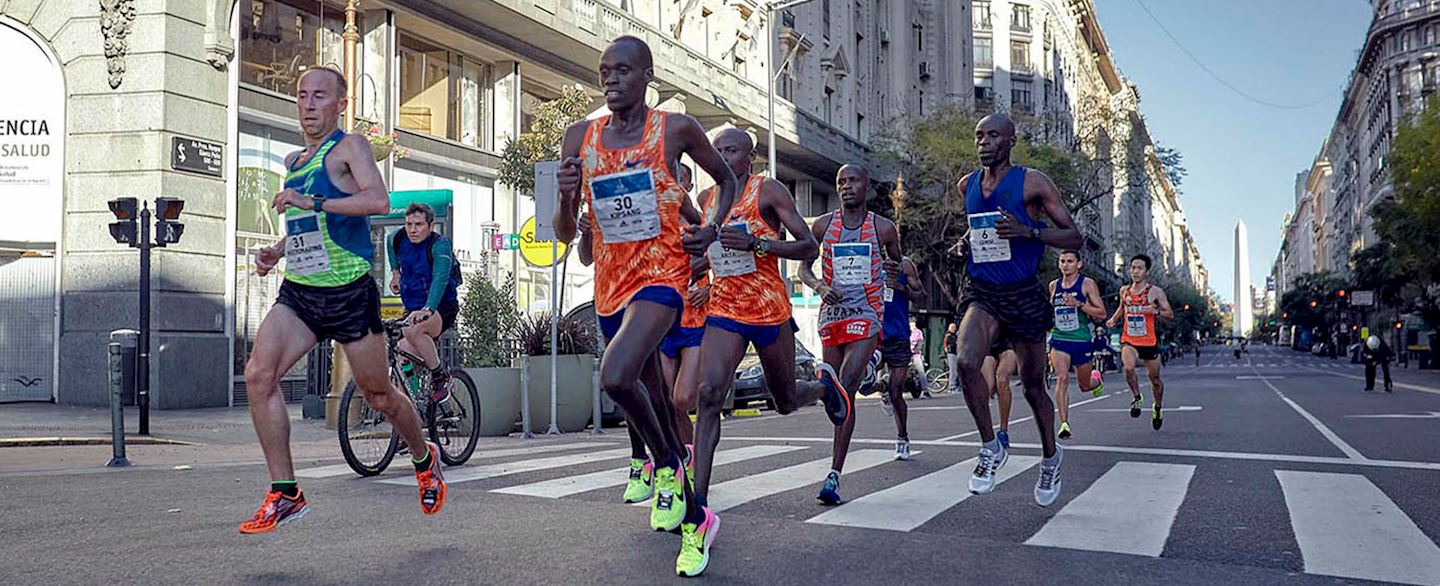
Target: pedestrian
{"x": 1376, "y": 351}
{"x": 951, "y": 357}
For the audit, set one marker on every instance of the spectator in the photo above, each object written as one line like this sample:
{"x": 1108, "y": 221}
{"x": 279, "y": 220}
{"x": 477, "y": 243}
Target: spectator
{"x": 1376, "y": 351}
{"x": 951, "y": 358}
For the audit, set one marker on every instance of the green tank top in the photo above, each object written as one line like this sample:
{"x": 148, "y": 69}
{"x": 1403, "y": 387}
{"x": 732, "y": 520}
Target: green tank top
{"x": 1071, "y": 324}
{"x": 323, "y": 249}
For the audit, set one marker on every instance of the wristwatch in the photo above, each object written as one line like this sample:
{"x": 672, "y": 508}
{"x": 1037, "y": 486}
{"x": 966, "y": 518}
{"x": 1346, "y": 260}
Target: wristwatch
{"x": 1035, "y": 233}
{"x": 319, "y": 203}
{"x": 761, "y": 246}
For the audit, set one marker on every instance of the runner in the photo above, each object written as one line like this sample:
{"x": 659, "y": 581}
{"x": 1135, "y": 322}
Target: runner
{"x": 748, "y": 305}
{"x": 852, "y": 304}
{"x": 996, "y": 369}
{"x": 426, "y": 277}
{"x": 680, "y": 352}
{"x": 895, "y": 347}
{"x": 332, "y": 188}
{"x": 622, "y": 166}
{"x": 1140, "y": 302}
{"x": 1003, "y": 298}
{"x": 1077, "y": 301}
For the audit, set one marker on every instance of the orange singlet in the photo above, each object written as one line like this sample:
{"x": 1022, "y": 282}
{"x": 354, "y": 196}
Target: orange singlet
{"x": 1139, "y": 318}
{"x": 748, "y": 288}
{"x": 694, "y": 317}
{"x": 634, "y": 203}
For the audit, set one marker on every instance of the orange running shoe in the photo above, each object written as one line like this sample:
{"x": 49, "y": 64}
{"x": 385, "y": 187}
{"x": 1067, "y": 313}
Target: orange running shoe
{"x": 432, "y": 483}
{"x": 276, "y": 510}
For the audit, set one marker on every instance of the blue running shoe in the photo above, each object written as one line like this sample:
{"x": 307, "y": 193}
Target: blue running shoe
{"x": 837, "y": 401}
{"x": 830, "y": 489}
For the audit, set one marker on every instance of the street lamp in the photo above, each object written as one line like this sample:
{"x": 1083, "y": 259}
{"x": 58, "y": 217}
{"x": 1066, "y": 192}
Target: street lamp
{"x": 352, "y": 40}
{"x": 771, "y": 9}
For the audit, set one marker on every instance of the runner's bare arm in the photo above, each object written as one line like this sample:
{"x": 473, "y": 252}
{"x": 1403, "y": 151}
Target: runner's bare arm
{"x": 689, "y": 212}
{"x": 1119, "y": 308}
{"x": 776, "y": 199}
{"x": 586, "y": 248}
{"x": 569, "y": 180}
{"x": 371, "y": 198}
{"x": 961, "y": 246}
{"x": 1039, "y": 189}
{"x": 913, "y": 286}
{"x": 1162, "y": 301}
{"x": 1094, "y": 304}
{"x": 807, "y": 267}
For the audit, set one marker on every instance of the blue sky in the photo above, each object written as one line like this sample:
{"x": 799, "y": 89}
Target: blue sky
{"x": 1242, "y": 155}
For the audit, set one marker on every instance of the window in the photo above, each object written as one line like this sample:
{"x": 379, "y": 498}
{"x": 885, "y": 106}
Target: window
{"x": 738, "y": 65}
{"x": 984, "y": 53}
{"x": 860, "y": 126}
{"x": 919, "y": 37}
{"x": 785, "y": 86}
{"x": 280, "y": 39}
{"x": 1020, "y": 57}
{"x": 827, "y": 105}
{"x": 982, "y": 16}
{"x": 1021, "y": 97}
{"x": 1020, "y": 20}
{"x": 984, "y": 94}
{"x": 825, "y": 8}
{"x": 444, "y": 94}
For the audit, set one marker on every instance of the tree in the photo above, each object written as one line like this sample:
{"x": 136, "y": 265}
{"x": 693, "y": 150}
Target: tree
{"x": 488, "y": 318}
{"x": 542, "y": 141}
{"x": 1410, "y": 223}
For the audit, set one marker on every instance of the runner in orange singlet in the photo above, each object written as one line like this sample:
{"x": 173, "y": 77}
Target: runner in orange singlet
{"x": 1140, "y": 302}
{"x": 621, "y": 165}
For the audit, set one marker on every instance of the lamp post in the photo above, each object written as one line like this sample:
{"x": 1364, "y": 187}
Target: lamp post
{"x": 772, "y": 9}
{"x": 352, "y": 40}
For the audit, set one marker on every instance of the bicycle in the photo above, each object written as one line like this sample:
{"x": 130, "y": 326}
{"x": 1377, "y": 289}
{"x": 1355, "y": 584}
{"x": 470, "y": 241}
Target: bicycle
{"x": 367, "y": 439}
{"x": 939, "y": 379}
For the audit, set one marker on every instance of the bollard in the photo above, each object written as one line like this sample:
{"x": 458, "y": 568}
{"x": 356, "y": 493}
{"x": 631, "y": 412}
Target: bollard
{"x": 122, "y": 352}
{"x": 597, "y": 417}
{"x": 525, "y": 398}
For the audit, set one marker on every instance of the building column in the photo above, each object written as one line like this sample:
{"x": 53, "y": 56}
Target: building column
{"x": 508, "y": 85}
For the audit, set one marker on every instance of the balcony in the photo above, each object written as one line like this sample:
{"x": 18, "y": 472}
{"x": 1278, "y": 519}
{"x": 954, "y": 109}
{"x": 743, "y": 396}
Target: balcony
{"x": 983, "y": 22}
{"x": 1022, "y": 68}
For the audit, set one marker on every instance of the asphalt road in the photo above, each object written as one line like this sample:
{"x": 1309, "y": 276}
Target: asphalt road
{"x": 1273, "y": 469}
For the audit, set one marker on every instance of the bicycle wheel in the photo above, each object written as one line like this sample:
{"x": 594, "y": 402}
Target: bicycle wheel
{"x": 939, "y": 380}
{"x": 455, "y": 424}
{"x": 366, "y": 438}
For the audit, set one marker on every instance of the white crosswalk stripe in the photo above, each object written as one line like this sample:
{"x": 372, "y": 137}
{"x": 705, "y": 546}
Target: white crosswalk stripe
{"x": 467, "y": 474}
{"x": 1347, "y": 527}
{"x": 734, "y": 493}
{"x": 569, "y": 485}
{"x": 1127, "y": 510}
{"x": 909, "y": 505}
{"x": 343, "y": 469}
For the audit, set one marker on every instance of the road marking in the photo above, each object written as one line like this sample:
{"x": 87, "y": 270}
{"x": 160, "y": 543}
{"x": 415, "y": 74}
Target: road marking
{"x": 1419, "y": 388}
{"x": 1347, "y": 527}
{"x": 1166, "y": 409}
{"x": 1127, "y": 510}
{"x": 1021, "y": 420}
{"x": 1426, "y": 415}
{"x": 343, "y": 469}
{"x": 561, "y": 487}
{"x": 906, "y": 506}
{"x": 1249, "y": 377}
{"x": 1345, "y": 448}
{"x": 466, "y": 474}
{"x": 734, "y": 493}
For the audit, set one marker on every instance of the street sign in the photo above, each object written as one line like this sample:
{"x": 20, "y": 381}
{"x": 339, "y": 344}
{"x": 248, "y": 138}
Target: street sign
{"x": 536, "y": 251}
{"x": 439, "y": 200}
{"x": 547, "y": 194}
{"x": 1362, "y": 298}
{"x": 197, "y": 156}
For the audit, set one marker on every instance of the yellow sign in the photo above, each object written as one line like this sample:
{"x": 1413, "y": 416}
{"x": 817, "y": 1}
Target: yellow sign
{"x": 391, "y": 308}
{"x": 538, "y": 252}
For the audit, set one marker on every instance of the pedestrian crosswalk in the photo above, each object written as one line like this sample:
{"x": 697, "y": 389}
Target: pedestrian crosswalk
{"x": 1344, "y": 524}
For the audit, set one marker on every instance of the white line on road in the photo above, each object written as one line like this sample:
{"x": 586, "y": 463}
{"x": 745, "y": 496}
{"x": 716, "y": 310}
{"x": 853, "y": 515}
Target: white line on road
{"x": 561, "y": 487}
{"x": 1346, "y": 448}
{"x": 1167, "y": 409}
{"x": 1426, "y": 415}
{"x": 1249, "y": 377}
{"x": 911, "y": 504}
{"x": 342, "y": 469}
{"x": 1127, "y": 510}
{"x": 467, "y": 474}
{"x": 1419, "y": 388}
{"x": 1021, "y": 420}
{"x": 734, "y": 493}
{"x": 1347, "y": 527}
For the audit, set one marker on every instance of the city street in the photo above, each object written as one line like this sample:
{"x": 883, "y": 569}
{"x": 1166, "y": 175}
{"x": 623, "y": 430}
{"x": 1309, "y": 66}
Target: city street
{"x": 1273, "y": 469}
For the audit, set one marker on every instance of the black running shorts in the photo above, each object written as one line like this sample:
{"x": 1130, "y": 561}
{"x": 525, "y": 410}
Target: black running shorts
{"x": 1146, "y": 353}
{"x": 895, "y": 352}
{"x": 344, "y": 314}
{"x": 1023, "y": 309}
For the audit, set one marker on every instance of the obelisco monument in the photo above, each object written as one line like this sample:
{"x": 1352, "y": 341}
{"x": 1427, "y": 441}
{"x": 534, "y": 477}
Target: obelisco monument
{"x": 1242, "y": 314}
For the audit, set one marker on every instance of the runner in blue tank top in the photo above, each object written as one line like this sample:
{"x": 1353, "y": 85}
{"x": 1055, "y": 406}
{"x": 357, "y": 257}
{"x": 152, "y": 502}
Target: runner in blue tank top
{"x": 895, "y": 349}
{"x": 1003, "y": 298}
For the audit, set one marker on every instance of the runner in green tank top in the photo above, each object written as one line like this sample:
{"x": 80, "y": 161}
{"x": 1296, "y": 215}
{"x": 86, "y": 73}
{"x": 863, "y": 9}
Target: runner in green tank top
{"x": 1077, "y": 302}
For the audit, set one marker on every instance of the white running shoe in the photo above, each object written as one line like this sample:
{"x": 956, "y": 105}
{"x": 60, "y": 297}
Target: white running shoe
{"x": 982, "y": 480}
{"x": 1047, "y": 487}
{"x": 902, "y": 450}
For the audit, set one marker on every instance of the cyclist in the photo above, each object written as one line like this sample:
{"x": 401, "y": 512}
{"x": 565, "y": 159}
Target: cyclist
{"x": 424, "y": 273}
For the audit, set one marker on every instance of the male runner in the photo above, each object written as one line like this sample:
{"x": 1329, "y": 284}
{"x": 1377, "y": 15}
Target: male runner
{"x": 1140, "y": 302}
{"x": 332, "y": 187}
{"x": 1077, "y": 301}
{"x": 427, "y": 278}
{"x": 996, "y": 370}
{"x": 1003, "y": 298}
{"x": 622, "y": 165}
{"x": 680, "y": 352}
{"x": 895, "y": 347}
{"x": 853, "y": 241}
{"x": 748, "y": 305}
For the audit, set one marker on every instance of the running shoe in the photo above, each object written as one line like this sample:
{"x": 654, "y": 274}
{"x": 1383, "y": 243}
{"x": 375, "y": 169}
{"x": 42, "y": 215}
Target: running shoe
{"x": 1064, "y": 430}
{"x": 982, "y": 480}
{"x": 1047, "y": 488}
{"x": 1004, "y": 437}
{"x": 1099, "y": 389}
{"x": 837, "y": 401}
{"x": 695, "y": 542}
{"x": 902, "y": 450}
{"x": 432, "y": 483}
{"x": 1135, "y": 405}
{"x": 276, "y": 510}
{"x": 1156, "y": 418}
{"x": 830, "y": 489}
{"x": 668, "y": 508}
{"x": 642, "y": 481}
{"x": 886, "y": 406}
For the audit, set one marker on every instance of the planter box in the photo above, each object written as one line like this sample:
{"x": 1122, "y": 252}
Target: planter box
{"x": 499, "y": 390}
{"x": 575, "y": 381}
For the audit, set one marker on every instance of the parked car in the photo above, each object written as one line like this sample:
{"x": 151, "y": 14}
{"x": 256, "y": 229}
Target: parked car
{"x": 749, "y": 386}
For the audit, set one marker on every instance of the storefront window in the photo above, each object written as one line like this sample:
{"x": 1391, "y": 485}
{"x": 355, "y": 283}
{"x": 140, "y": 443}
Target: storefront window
{"x": 280, "y": 39}
{"x": 444, "y": 94}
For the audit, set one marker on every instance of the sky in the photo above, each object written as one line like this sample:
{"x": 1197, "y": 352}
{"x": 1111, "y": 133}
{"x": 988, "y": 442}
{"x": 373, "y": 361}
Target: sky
{"x": 1242, "y": 154}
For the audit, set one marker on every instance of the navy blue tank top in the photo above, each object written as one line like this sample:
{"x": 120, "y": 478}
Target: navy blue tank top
{"x": 1025, "y": 252}
{"x": 896, "y": 322}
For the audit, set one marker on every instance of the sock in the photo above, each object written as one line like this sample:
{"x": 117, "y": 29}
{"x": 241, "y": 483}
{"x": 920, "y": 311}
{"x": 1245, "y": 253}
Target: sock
{"x": 673, "y": 463}
{"x": 286, "y": 487}
{"x": 423, "y": 463}
{"x": 993, "y": 445}
{"x": 1053, "y": 460}
{"x": 694, "y": 515}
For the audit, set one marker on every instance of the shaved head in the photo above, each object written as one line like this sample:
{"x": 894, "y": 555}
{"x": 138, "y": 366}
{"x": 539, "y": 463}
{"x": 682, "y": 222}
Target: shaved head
{"x": 853, "y": 168}
{"x": 735, "y": 136}
{"x": 999, "y": 121}
{"x": 737, "y": 149}
{"x": 642, "y": 56}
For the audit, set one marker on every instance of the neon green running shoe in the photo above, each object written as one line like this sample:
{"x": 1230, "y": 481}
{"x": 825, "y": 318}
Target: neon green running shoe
{"x": 695, "y": 541}
{"x": 668, "y": 508}
{"x": 1099, "y": 389}
{"x": 642, "y": 481}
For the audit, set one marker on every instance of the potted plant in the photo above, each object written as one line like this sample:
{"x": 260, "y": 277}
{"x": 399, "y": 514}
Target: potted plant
{"x": 382, "y": 144}
{"x": 488, "y": 324}
{"x": 574, "y": 370}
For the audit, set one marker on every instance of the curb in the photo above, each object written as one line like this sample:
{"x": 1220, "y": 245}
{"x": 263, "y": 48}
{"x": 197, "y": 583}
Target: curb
{"x": 32, "y": 442}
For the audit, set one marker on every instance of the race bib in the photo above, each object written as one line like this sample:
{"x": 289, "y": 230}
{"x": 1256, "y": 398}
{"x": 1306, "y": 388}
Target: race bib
{"x": 305, "y": 245}
{"x": 850, "y": 263}
{"x": 986, "y": 245}
{"x": 626, "y": 205}
{"x": 1135, "y": 326}
{"x": 888, "y": 295}
{"x": 731, "y": 263}
{"x": 1067, "y": 319}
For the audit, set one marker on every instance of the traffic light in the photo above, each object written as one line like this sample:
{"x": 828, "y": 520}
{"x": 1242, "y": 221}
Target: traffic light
{"x": 1187, "y": 307}
{"x": 1399, "y": 324}
{"x": 1341, "y": 293}
{"x": 167, "y": 230}
{"x": 1285, "y": 315}
{"x": 123, "y": 231}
